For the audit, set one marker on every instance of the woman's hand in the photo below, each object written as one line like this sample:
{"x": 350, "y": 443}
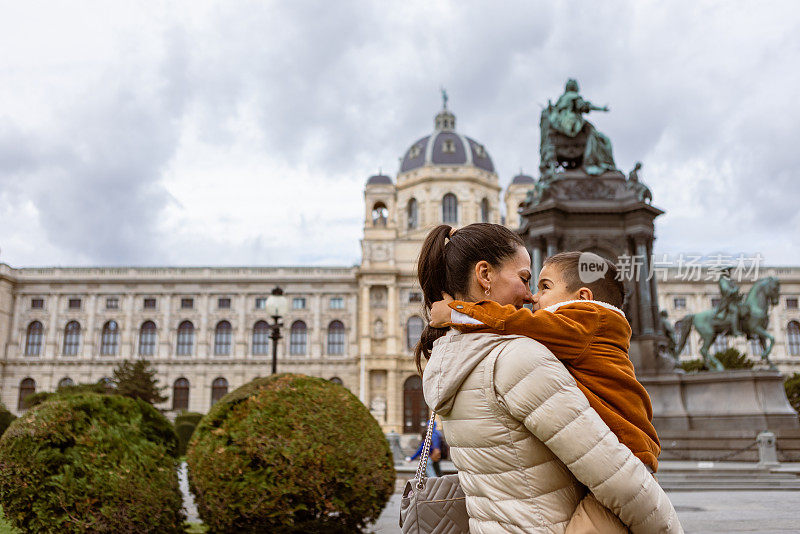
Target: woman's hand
{"x": 440, "y": 311}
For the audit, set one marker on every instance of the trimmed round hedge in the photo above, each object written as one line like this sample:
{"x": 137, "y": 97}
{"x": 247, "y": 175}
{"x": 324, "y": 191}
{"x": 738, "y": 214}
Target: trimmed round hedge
{"x": 6, "y": 418}
{"x": 290, "y": 453}
{"x": 91, "y": 463}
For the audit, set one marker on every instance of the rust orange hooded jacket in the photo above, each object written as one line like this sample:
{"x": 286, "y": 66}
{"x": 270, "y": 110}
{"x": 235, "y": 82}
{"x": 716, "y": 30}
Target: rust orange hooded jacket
{"x": 591, "y": 339}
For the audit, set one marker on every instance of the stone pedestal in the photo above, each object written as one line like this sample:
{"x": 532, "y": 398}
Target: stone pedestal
{"x": 702, "y": 416}
{"x": 718, "y": 415}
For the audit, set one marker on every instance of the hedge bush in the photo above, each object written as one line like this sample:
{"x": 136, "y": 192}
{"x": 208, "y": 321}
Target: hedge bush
{"x": 290, "y": 453}
{"x": 188, "y": 417}
{"x": 91, "y": 463}
{"x": 6, "y": 417}
{"x": 792, "y": 387}
{"x": 730, "y": 359}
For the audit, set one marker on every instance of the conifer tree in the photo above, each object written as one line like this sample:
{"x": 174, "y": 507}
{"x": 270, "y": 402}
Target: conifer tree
{"x": 138, "y": 380}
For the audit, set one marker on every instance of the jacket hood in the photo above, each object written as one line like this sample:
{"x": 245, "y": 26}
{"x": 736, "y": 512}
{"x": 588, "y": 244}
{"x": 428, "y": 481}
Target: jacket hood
{"x": 453, "y": 358}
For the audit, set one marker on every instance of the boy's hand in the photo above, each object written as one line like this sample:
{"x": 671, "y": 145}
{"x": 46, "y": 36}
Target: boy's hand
{"x": 440, "y": 311}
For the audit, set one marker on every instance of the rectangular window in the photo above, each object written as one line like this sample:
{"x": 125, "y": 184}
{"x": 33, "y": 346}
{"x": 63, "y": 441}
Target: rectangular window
{"x": 187, "y": 304}
{"x": 37, "y": 304}
{"x": 224, "y": 303}
{"x": 74, "y": 304}
{"x": 112, "y": 303}
{"x": 337, "y": 303}
{"x": 679, "y": 303}
{"x": 299, "y": 303}
{"x": 149, "y": 304}
{"x": 414, "y": 296}
{"x": 261, "y": 303}
{"x": 791, "y": 303}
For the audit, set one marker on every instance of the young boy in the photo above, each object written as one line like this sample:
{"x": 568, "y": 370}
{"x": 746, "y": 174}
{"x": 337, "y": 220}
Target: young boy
{"x": 583, "y": 325}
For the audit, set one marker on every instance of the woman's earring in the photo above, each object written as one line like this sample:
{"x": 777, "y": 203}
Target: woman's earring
{"x": 488, "y": 288}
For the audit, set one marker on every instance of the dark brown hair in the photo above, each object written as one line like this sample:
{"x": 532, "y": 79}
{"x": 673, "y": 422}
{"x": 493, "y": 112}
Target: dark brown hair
{"x": 608, "y": 289}
{"x": 445, "y": 265}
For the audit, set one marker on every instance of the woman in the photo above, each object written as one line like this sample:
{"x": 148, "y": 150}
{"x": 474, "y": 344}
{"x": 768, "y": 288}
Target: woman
{"x": 522, "y": 435}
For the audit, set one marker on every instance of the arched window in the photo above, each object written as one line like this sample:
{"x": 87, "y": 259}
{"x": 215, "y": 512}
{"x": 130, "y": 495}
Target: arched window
{"x": 109, "y": 339}
{"x": 380, "y": 214}
{"x": 180, "y": 394}
{"x": 219, "y": 388}
{"x": 261, "y": 338}
{"x": 337, "y": 380}
{"x": 413, "y": 220}
{"x": 72, "y": 338}
{"x": 413, "y": 331}
{"x": 485, "y": 210}
{"x": 336, "y": 338}
{"x": 793, "y": 338}
{"x": 185, "y": 345}
{"x": 147, "y": 338}
{"x": 65, "y": 383}
{"x": 415, "y": 411}
{"x": 33, "y": 339}
{"x": 26, "y": 388}
{"x": 720, "y": 344}
{"x": 450, "y": 209}
{"x": 297, "y": 338}
{"x": 222, "y": 339}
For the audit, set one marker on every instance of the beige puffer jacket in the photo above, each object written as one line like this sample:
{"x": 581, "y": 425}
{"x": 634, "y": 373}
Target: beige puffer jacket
{"x": 526, "y": 443}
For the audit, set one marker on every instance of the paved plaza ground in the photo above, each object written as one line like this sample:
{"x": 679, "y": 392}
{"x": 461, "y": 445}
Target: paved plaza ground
{"x": 701, "y": 512}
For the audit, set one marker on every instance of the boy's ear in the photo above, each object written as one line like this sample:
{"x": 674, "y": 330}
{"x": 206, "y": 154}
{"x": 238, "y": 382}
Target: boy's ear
{"x": 585, "y": 293}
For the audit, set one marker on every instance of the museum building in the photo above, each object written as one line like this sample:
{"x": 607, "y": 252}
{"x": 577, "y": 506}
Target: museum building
{"x": 206, "y": 329}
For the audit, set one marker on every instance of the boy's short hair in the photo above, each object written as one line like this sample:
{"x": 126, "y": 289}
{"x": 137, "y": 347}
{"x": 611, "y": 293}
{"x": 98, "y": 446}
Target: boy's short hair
{"x": 608, "y": 289}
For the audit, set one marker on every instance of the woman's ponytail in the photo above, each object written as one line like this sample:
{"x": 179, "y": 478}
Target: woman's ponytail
{"x": 432, "y": 276}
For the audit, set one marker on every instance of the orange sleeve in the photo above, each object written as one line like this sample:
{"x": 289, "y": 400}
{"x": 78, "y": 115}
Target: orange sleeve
{"x": 566, "y": 332}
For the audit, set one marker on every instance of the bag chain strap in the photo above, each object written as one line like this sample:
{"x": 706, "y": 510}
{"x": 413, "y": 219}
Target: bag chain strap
{"x": 423, "y": 458}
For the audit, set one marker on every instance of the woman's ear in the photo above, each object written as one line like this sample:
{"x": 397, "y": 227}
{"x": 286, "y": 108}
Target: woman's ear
{"x": 482, "y": 271}
{"x": 585, "y": 293}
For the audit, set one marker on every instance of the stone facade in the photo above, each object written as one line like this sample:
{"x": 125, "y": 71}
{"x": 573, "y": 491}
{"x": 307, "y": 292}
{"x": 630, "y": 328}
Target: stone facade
{"x": 445, "y": 177}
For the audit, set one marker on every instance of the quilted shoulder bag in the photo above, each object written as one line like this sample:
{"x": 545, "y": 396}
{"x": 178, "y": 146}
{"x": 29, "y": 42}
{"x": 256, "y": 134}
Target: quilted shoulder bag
{"x": 433, "y": 505}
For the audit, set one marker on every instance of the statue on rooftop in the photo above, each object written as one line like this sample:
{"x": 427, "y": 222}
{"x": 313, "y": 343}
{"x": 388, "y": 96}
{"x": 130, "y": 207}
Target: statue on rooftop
{"x": 570, "y": 141}
{"x": 643, "y": 193}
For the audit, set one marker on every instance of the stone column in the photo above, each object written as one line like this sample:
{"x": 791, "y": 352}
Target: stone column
{"x": 536, "y": 264}
{"x": 552, "y": 245}
{"x": 164, "y": 345}
{"x": 392, "y": 318}
{"x": 394, "y": 409}
{"x": 317, "y": 345}
{"x": 51, "y": 345}
{"x": 241, "y": 345}
{"x": 128, "y": 344}
{"x": 365, "y": 326}
{"x": 643, "y": 287}
{"x": 89, "y": 336}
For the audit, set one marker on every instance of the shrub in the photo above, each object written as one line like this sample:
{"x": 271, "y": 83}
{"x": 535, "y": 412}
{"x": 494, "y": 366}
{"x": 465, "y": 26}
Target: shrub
{"x": 792, "y": 387}
{"x": 91, "y": 463}
{"x": 75, "y": 389}
{"x": 6, "y": 418}
{"x": 290, "y": 453}
{"x": 733, "y": 359}
{"x": 184, "y": 431}
{"x": 188, "y": 417}
{"x": 730, "y": 359}
{"x": 694, "y": 366}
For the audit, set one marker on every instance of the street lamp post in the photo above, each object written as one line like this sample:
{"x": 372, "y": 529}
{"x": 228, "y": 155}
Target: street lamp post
{"x": 276, "y": 307}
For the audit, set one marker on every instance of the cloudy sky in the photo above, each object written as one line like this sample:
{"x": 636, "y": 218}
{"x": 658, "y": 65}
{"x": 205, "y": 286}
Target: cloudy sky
{"x": 241, "y": 133}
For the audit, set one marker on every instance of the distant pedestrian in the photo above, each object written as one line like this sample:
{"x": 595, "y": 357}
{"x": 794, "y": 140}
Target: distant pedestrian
{"x": 432, "y": 468}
